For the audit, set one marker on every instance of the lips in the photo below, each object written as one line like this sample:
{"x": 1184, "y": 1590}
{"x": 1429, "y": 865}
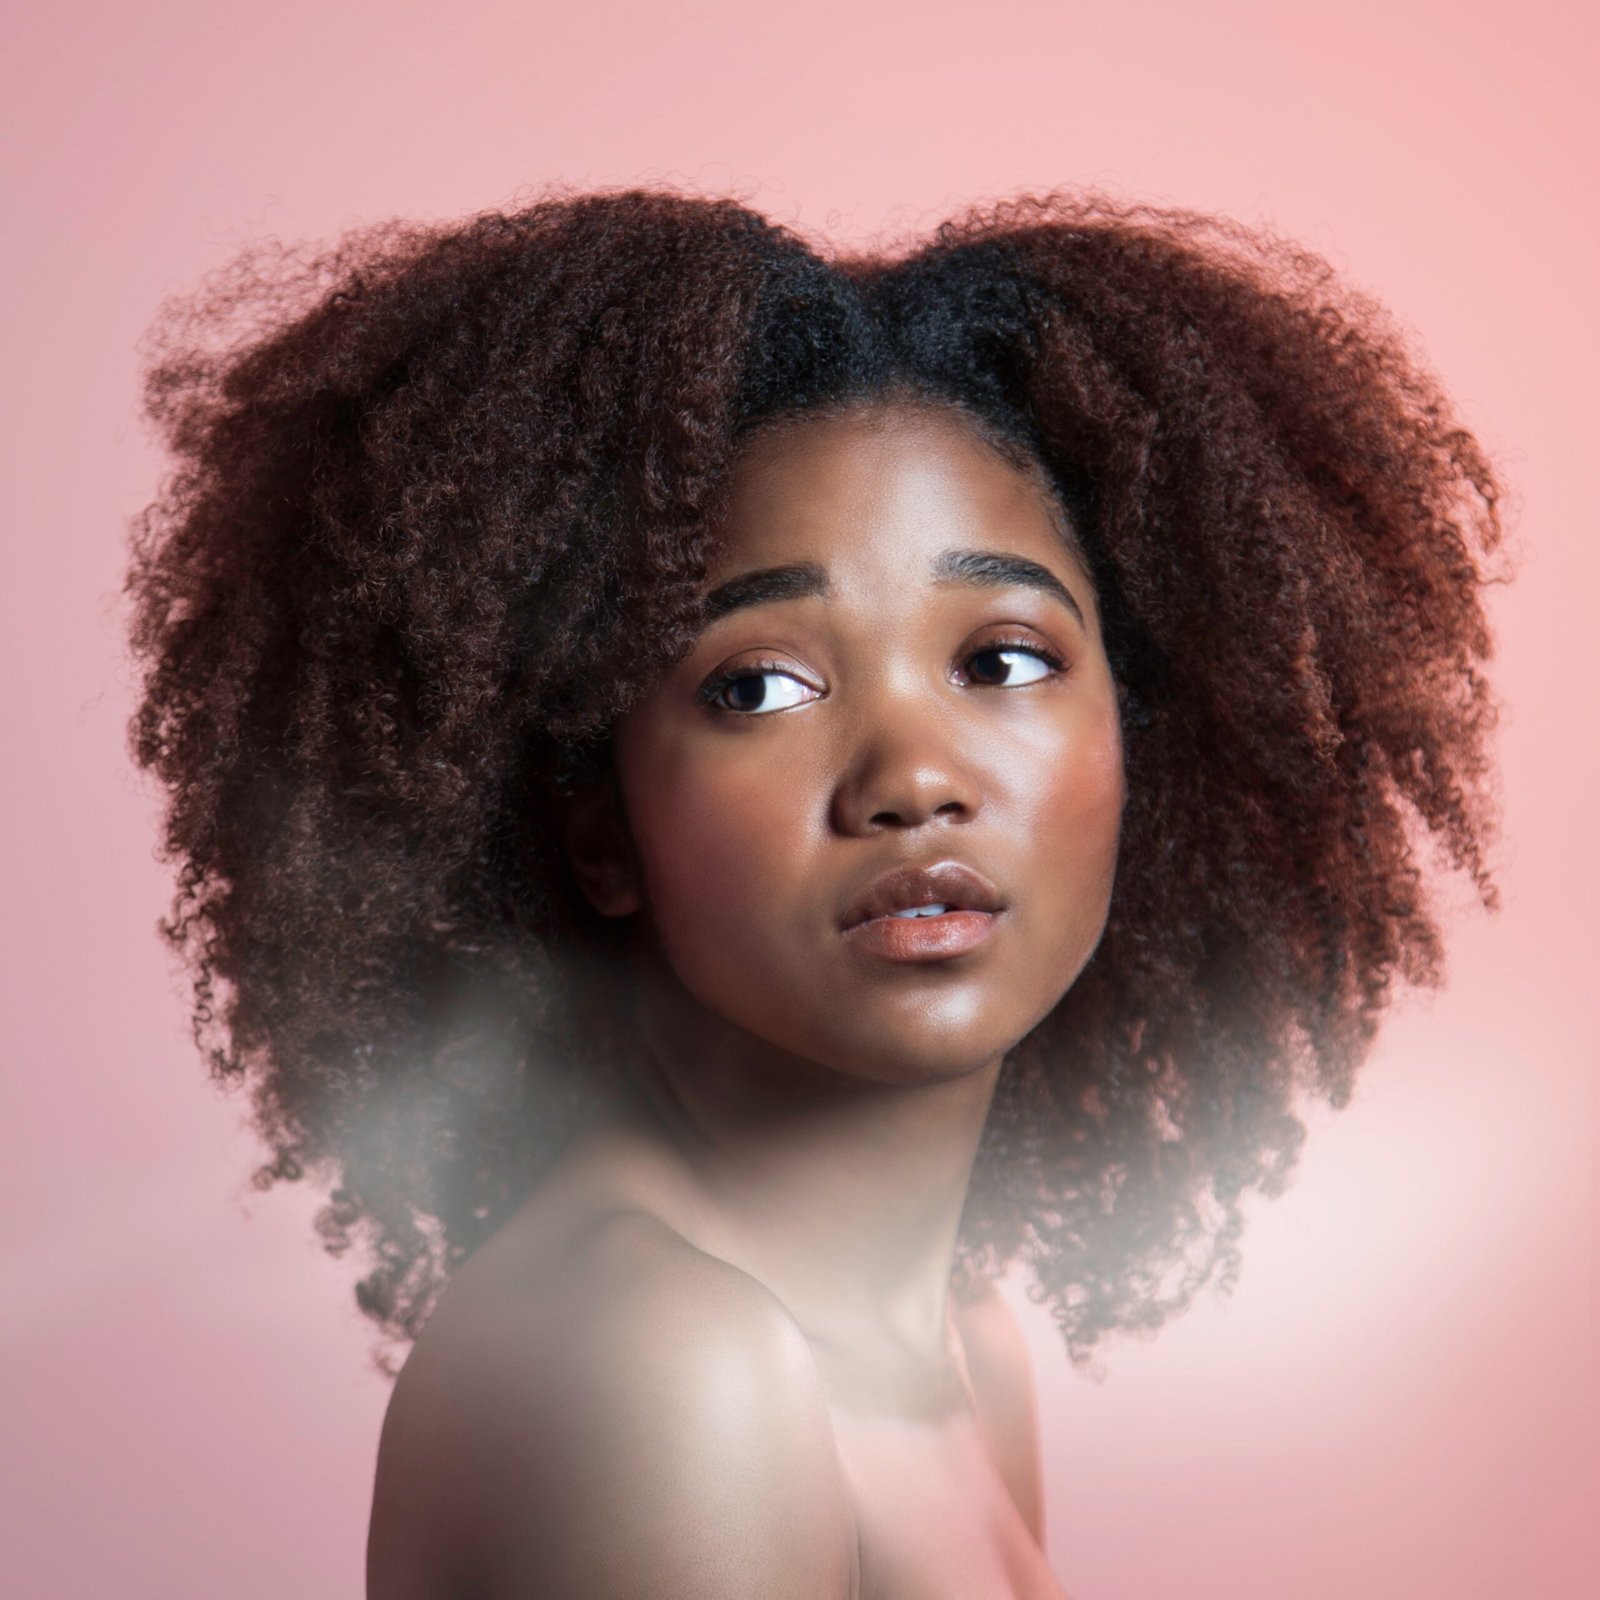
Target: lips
{"x": 950, "y": 883}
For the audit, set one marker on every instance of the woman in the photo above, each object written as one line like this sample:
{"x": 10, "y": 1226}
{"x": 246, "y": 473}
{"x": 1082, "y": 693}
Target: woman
{"x": 654, "y": 716}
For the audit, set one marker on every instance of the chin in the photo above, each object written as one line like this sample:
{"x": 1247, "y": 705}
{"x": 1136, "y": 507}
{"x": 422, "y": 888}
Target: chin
{"x": 908, "y": 1028}
{"x": 930, "y": 1032}
{"x": 924, "y": 1039}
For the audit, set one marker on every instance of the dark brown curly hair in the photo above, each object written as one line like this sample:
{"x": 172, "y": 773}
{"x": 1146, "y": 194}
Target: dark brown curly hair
{"x": 440, "y": 513}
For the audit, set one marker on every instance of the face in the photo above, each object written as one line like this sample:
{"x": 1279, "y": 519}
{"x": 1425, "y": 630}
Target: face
{"x": 903, "y": 669}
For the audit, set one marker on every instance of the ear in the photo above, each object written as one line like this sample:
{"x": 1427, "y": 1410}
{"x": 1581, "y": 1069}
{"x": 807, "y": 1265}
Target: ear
{"x": 600, "y": 848}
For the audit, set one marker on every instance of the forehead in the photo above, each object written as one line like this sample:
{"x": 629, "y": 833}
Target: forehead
{"x": 882, "y": 484}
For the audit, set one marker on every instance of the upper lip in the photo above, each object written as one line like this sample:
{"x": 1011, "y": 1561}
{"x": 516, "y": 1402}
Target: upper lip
{"x": 949, "y": 883}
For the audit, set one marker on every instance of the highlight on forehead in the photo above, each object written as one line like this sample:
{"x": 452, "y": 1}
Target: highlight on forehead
{"x": 902, "y": 407}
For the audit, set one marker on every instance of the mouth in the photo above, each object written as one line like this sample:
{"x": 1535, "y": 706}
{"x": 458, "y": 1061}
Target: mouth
{"x": 923, "y": 913}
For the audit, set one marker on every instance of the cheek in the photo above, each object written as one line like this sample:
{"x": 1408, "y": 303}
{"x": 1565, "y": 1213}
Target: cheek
{"x": 714, "y": 840}
{"x": 1094, "y": 782}
{"x": 1078, "y": 815}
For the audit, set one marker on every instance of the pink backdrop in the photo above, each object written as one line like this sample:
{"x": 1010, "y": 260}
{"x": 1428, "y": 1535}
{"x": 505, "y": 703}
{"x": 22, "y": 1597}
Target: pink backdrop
{"x": 1400, "y": 1400}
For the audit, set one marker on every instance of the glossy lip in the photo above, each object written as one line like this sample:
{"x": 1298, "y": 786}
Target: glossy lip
{"x": 950, "y": 883}
{"x": 954, "y": 933}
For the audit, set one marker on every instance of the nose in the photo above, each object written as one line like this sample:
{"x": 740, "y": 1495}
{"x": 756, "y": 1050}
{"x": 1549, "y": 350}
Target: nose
{"x": 903, "y": 771}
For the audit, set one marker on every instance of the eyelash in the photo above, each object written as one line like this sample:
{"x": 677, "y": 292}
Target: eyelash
{"x": 714, "y": 686}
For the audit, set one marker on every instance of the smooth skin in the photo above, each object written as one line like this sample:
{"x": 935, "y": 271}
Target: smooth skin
{"x": 716, "y": 1353}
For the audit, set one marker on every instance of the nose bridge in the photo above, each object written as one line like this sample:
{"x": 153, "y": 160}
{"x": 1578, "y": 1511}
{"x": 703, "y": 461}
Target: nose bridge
{"x": 902, "y": 759}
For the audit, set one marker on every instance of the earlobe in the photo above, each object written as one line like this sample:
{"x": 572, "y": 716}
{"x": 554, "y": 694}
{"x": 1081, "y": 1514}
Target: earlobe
{"x": 600, "y": 849}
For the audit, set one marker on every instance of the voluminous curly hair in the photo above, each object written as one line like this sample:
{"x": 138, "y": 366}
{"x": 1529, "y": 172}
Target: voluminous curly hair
{"x": 442, "y": 509}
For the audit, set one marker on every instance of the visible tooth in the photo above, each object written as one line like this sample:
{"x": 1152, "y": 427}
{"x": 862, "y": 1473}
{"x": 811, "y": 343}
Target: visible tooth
{"x": 920, "y": 911}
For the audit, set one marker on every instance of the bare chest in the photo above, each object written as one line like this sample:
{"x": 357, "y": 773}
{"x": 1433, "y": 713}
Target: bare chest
{"x": 934, "y": 1520}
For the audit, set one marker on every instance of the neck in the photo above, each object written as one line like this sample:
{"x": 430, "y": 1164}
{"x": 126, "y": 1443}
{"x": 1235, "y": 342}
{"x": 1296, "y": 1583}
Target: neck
{"x": 842, "y": 1196}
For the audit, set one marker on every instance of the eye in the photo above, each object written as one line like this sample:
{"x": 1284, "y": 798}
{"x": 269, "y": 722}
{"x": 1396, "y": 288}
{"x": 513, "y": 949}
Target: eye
{"x": 996, "y": 666}
{"x": 744, "y": 691}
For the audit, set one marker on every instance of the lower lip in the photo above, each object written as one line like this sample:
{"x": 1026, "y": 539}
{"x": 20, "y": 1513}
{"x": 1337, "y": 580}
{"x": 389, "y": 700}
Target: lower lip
{"x": 951, "y": 933}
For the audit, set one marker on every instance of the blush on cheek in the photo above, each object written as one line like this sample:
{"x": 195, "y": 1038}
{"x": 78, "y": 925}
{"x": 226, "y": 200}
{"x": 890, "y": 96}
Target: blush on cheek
{"x": 1093, "y": 779}
{"x": 1086, "y": 806}
{"x": 697, "y": 869}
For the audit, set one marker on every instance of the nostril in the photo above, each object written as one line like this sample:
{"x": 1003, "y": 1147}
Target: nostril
{"x": 908, "y": 793}
{"x": 908, "y": 819}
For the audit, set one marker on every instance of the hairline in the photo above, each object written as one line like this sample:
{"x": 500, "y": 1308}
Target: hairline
{"x": 880, "y": 407}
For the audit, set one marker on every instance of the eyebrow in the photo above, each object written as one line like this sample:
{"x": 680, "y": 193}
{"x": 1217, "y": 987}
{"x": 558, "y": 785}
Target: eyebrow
{"x": 800, "y": 580}
{"x": 996, "y": 569}
{"x": 803, "y": 580}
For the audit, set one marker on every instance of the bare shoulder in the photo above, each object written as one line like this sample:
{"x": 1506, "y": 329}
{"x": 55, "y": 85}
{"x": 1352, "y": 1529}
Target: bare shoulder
{"x": 992, "y": 1337}
{"x": 1001, "y": 1371}
{"x": 643, "y": 1420}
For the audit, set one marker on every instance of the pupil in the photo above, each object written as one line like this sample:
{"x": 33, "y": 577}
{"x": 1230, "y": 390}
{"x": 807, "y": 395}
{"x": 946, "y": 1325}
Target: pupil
{"x": 748, "y": 693}
{"x": 994, "y": 656}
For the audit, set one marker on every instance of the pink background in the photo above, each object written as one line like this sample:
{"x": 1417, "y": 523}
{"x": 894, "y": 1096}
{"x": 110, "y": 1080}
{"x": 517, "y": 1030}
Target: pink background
{"x": 1400, "y": 1400}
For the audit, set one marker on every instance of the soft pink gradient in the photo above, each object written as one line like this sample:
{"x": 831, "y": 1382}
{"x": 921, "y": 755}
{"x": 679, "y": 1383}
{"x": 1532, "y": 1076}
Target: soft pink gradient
{"x": 1400, "y": 1400}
